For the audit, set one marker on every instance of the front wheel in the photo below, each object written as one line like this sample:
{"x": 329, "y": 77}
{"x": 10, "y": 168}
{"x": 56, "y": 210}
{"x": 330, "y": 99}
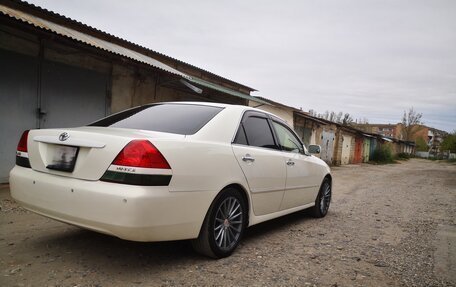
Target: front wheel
{"x": 223, "y": 226}
{"x": 323, "y": 199}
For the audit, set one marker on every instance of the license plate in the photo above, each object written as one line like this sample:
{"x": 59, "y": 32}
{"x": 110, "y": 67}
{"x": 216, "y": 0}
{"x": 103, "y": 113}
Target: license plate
{"x": 64, "y": 158}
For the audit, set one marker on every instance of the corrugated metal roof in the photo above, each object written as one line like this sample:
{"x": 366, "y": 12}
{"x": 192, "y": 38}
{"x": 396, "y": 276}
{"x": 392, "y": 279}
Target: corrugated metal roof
{"x": 311, "y": 118}
{"x": 116, "y": 38}
{"x": 88, "y": 39}
{"x": 114, "y": 48}
{"x": 273, "y": 103}
{"x": 223, "y": 89}
{"x": 369, "y": 136}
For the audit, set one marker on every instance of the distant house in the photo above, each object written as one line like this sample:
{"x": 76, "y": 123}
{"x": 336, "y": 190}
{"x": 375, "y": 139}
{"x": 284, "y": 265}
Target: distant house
{"x": 431, "y": 136}
{"x": 386, "y": 130}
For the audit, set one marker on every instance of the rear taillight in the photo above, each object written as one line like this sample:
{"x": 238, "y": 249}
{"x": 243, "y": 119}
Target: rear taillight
{"x": 139, "y": 163}
{"x": 22, "y": 158}
{"x": 22, "y": 145}
{"x": 141, "y": 153}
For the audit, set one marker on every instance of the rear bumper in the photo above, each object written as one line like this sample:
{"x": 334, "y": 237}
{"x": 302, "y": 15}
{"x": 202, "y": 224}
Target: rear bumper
{"x": 138, "y": 213}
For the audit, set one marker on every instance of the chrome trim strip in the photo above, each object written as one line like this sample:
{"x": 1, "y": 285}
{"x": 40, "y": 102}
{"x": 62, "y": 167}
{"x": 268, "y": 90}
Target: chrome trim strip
{"x": 139, "y": 170}
{"x": 265, "y": 190}
{"x": 70, "y": 141}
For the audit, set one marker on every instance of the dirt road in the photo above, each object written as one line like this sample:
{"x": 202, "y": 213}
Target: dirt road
{"x": 391, "y": 225}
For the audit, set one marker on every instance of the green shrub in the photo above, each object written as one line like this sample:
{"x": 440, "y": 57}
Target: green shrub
{"x": 383, "y": 155}
{"x": 449, "y": 142}
{"x": 403, "y": 156}
{"x": 421, "y": 145}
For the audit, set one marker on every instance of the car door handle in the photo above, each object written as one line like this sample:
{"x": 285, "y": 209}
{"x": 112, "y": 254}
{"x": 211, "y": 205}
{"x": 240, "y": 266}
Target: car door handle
{"x": 248, "y": 158}
{"x": 290, "y": 162}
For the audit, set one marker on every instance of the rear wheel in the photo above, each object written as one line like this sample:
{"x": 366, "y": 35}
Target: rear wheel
{"x": 223, "y": 226}
{"x": 323, "y": 199}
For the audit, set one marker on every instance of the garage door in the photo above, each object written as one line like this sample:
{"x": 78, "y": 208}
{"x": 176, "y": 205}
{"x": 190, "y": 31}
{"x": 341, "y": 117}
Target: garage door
{"x": 346, "y": 148}
{"x": 70, "y": 96}
{"x": 18, "y": 104}
{"x": 327, "y": 146}
{"x": 366, "y": 149}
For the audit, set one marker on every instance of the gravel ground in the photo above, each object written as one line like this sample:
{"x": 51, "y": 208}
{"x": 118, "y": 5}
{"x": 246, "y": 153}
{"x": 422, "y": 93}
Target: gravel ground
{"x": 389, "y": 225}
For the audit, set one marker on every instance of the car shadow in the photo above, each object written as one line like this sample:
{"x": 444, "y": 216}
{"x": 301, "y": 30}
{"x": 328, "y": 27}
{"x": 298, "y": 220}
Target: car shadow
{"x": 79, "y": 245}
{"x": 276, "y": 225}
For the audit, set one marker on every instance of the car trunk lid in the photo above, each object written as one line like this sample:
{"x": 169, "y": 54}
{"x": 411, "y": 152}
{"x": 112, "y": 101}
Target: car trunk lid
{"x": 85, "y": 152}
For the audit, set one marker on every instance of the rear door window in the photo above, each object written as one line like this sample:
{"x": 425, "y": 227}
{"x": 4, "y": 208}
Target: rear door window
{"x": 185, "y": 119}
{"x": 255, "y": 131}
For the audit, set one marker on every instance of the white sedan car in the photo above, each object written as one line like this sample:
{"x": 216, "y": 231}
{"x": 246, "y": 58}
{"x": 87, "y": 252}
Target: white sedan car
{"x": 171, "y": 171}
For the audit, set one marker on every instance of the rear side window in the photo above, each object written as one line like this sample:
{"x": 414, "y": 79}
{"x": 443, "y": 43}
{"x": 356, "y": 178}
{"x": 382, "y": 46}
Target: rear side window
{"x": 258, "y": 132}
{"x": 241, "y": 138}
{"x": 169, "y": 118}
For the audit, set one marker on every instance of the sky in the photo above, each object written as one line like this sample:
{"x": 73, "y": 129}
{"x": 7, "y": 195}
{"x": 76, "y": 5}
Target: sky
{"x": 372, "y": 59}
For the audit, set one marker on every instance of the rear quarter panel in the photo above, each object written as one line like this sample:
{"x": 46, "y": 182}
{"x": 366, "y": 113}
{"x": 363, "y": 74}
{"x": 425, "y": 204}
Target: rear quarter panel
{"x": 201, "y": 167}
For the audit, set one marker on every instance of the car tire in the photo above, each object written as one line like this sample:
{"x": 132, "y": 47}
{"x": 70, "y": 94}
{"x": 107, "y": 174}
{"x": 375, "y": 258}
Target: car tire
{"x": 323, "y": 199}
{"x": 223, "y": 226}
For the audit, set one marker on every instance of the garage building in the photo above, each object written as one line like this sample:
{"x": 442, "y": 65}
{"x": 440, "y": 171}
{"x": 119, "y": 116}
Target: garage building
{"x": 57, "y": 72}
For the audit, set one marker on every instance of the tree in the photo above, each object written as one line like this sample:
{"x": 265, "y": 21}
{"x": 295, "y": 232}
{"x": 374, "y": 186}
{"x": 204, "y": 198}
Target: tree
{"x": 347, "y": 119}
{"x": 362, "y": 121}
{"x": 313, "y": 113}
{"x": 411, "y": 124}
{"x": 449, "y": 142}
{"x": 421, "y": 145}
{"x": 340, "y": 118}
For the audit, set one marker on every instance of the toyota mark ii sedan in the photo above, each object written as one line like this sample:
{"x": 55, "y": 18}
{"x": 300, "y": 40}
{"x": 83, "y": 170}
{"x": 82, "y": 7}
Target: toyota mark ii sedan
{"x": 171, "y": 171}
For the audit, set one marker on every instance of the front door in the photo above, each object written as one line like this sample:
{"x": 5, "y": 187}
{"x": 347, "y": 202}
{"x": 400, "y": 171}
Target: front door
{"x": 302, "y": 181}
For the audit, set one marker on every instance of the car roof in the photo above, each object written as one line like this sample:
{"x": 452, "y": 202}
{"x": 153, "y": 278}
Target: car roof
{"x": 228, "y": 106}
{"x": 212, "y": 104}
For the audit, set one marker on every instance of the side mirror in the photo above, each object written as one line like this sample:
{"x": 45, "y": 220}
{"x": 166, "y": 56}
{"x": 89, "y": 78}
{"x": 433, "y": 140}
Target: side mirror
{"x": 314, "y": 149}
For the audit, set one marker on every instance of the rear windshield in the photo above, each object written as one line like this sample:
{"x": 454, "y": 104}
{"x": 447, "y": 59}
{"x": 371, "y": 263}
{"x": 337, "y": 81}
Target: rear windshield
{"x": 169, "y": 118}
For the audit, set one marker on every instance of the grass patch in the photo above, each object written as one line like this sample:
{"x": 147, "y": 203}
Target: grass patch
{"x": 403, "y": 156}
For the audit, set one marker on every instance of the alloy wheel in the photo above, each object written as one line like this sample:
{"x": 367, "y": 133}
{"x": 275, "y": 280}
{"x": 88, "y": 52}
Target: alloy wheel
{"x": 325, "y": 198}
{"x": 228, "y": 223}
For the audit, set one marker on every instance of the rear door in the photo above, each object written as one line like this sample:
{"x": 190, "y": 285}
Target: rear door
{"x": 261, "y": 161}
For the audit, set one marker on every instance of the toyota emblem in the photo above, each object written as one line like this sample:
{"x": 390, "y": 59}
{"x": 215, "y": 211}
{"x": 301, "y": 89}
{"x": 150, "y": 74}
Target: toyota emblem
{"x": 63, "y": 136}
